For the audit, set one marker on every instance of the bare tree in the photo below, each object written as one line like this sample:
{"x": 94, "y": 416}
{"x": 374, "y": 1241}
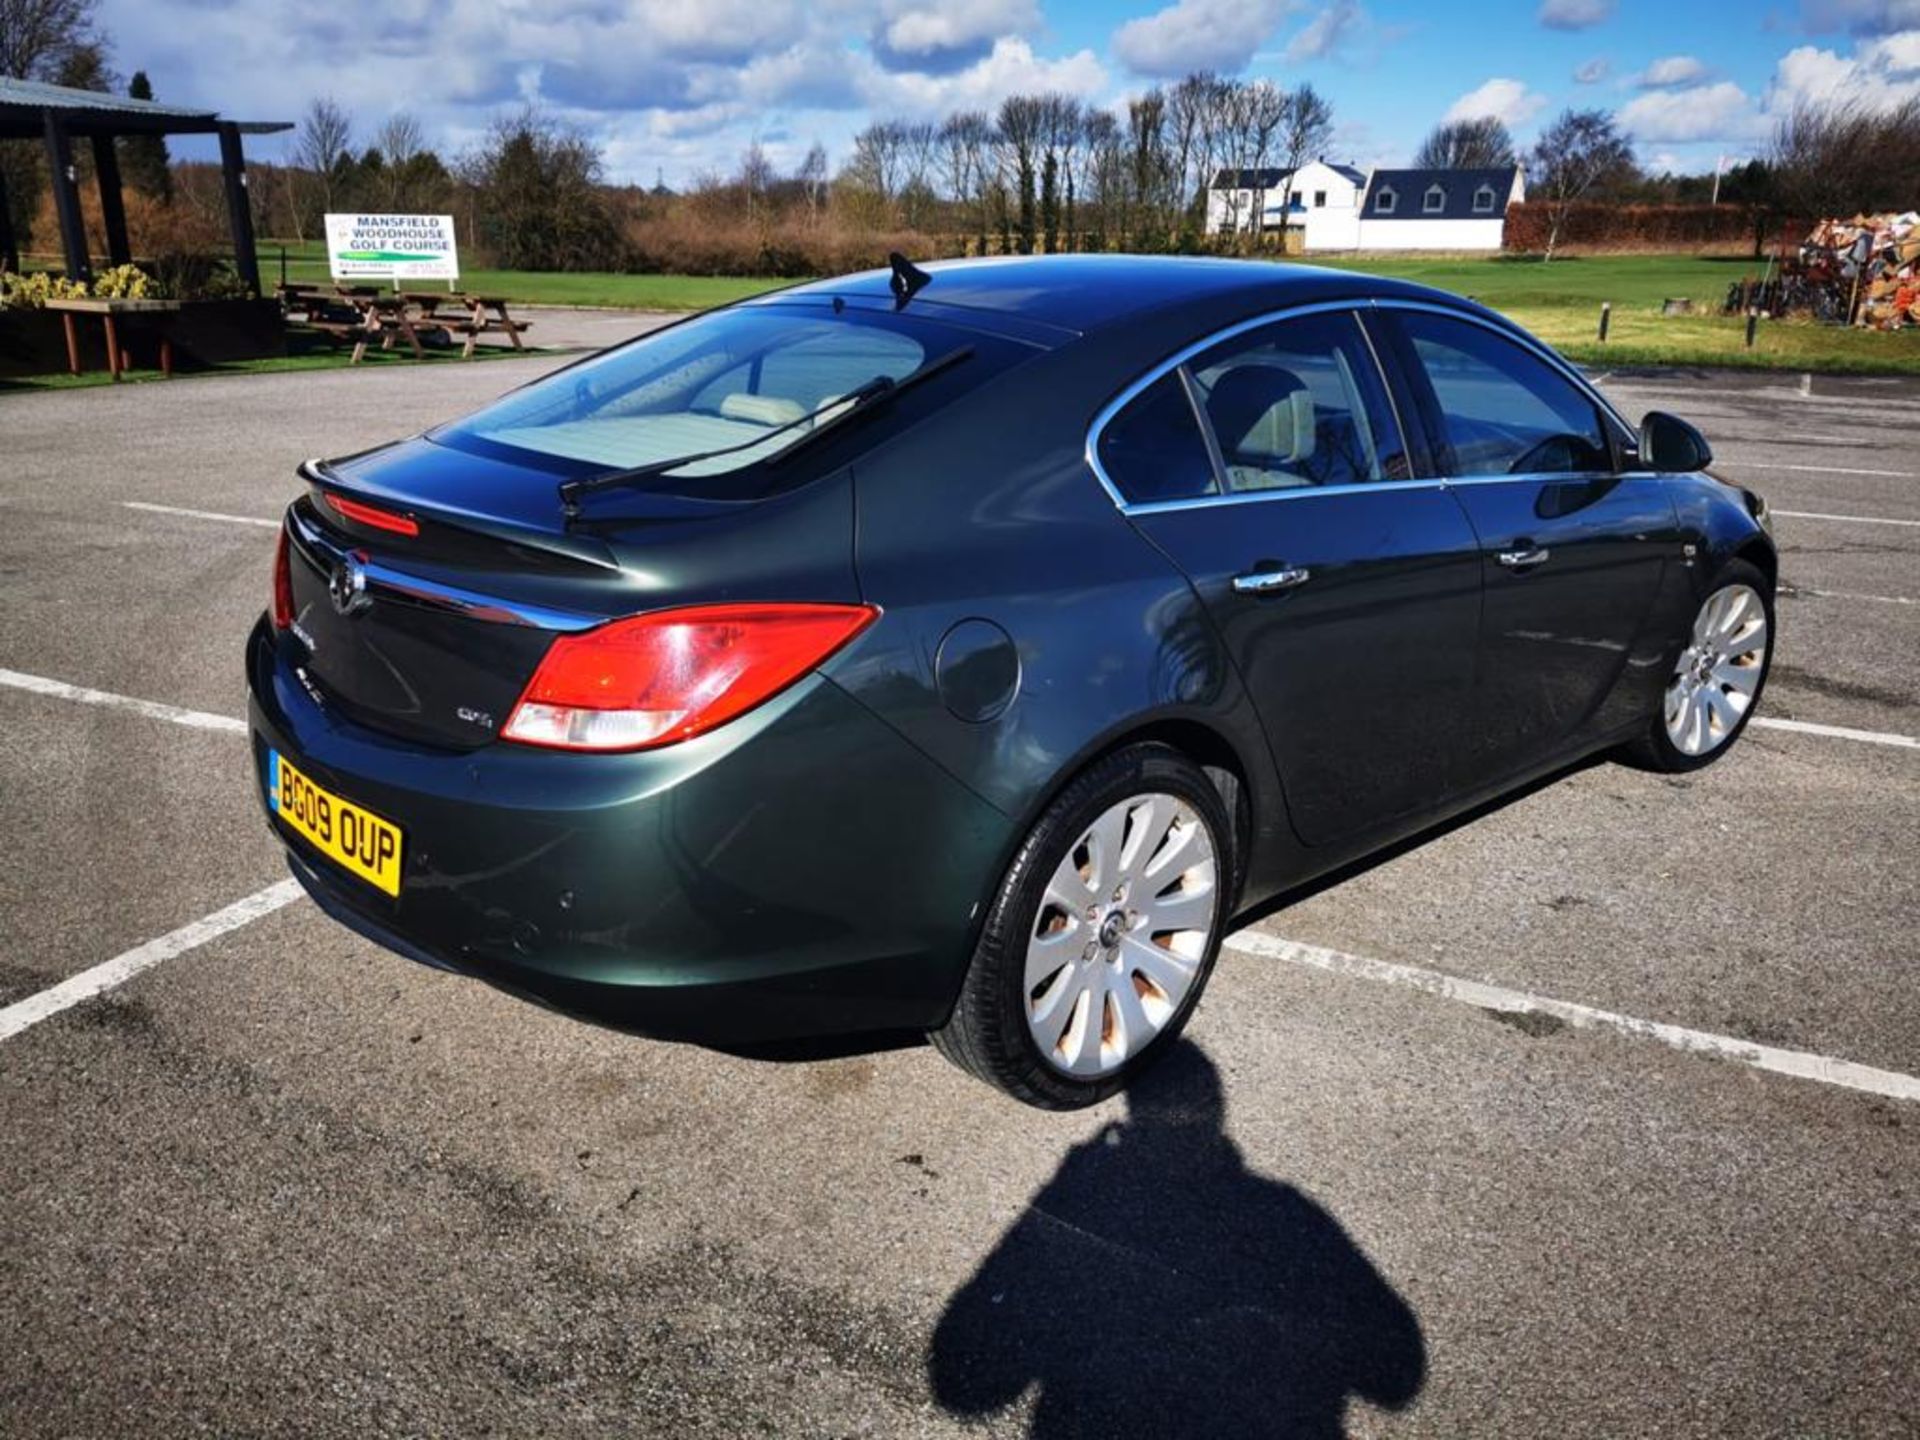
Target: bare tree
{"x": 919, "y": 148}
{"x": 1578, "y": 152}
{"x": 965, "y": 140}
{"x": 1193, "y": 125}
{"x": 1022, "y": 130}
{"x": 876, "y": 163}
{"x": 323, "y": 144}
{"x": 52, "y": 40}
{"x": 400, "y": 138}
{"x": 1481, "y": 144}
{"x": 1150, "y": 167}
{"x": 1104, "y": 174}
{"x": 812, "y": 177}
{"x": 1841, "y": 156}
{"x": 756, "y": 176}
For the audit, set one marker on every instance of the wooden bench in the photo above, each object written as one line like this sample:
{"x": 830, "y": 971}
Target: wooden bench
{"x": 110, "y": 311}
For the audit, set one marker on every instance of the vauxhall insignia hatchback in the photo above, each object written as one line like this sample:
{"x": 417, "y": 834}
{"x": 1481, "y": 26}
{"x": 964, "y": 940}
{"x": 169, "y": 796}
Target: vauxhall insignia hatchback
{"x": 961, "y": 649}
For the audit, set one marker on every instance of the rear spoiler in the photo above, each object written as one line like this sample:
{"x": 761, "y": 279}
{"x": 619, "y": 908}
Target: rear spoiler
{"x": 585, "y": 548}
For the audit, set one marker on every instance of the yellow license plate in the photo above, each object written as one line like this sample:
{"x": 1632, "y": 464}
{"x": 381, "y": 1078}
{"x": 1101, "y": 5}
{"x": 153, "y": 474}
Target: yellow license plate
{"x": 357, "y": 840}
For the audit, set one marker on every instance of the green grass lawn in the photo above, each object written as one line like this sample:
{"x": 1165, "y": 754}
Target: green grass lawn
{"x": 1559, "y": 301}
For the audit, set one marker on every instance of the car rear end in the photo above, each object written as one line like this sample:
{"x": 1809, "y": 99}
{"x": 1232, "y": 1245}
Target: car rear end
{"x": 598, "y": 764}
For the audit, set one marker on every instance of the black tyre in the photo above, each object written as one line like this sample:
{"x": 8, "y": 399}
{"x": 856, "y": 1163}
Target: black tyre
{"x": 1717, "y": 679}
{"x": 1103, "y": 933}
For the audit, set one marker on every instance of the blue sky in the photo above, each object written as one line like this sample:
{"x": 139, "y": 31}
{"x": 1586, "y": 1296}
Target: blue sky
{"x": 682, "y": 86}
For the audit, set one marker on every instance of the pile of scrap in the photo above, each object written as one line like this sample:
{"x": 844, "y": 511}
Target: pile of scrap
{"x": 1864, "y": 271}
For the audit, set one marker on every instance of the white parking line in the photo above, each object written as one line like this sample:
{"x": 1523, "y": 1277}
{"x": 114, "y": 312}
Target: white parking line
{"x": 1822, "y": 470}
{"x": 1852, "y": 519}
{"x": 200, "y": 514}
{"x": 153, "y": 709}
{"x": 122, "y": 968}
{"x": 1801, "y": 1064}
{"x": 1805, "y": 592}
{"x": 1838, "y": 732}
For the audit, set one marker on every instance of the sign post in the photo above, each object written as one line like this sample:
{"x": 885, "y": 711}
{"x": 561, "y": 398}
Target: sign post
{"x": 392, "y": 248}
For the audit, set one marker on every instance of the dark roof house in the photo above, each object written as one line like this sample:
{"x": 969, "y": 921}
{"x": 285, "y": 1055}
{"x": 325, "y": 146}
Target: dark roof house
{"x": 1441, "y": 194}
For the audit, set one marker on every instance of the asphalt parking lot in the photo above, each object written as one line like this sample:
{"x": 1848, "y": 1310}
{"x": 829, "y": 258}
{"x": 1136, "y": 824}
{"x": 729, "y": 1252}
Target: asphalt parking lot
{"x": 1467, "y": 1143}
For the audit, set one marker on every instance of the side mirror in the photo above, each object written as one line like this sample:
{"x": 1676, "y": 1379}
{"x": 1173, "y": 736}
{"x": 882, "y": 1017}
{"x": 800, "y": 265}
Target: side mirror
{"x": 1672, "y": 446}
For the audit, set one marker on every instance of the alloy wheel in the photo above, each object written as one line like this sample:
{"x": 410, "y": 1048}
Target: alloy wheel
{"x": 1121, "y": 934}
{"x": 1717, "y": 676}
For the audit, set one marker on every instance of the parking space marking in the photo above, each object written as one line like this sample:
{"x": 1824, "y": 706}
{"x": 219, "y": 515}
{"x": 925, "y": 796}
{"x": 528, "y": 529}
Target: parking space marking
{"x": 1822, "y": 470}
{"x": 1838, "y": 732}
{"x": 1801, "y": 1064}
{"x": 200, "y": 514}
{"x": 153, "y": 709}
{"x": 122, "y": 968}
{"x": 1804, "y": 592}
{"x": 1852, "y": 519}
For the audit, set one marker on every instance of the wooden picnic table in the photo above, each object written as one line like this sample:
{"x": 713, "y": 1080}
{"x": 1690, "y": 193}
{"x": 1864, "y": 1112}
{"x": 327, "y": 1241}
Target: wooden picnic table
{"x": 404, "y": 315}
{"x": 109, "y": 311}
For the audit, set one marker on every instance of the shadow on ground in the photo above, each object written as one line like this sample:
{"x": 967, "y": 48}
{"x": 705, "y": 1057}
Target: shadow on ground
{"x": 1157, "y": 1287}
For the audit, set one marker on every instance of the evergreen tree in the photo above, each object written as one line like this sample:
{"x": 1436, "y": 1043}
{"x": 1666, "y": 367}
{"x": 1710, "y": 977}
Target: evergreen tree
{"x": 144, "y": 162}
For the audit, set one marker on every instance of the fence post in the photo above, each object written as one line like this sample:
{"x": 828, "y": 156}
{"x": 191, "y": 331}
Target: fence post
{"x": 1606, "y": 318}
{"x": 1753, "y": 321}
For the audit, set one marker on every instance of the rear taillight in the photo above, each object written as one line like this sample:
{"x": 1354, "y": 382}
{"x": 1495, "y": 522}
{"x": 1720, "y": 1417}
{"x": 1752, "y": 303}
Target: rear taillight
{"x": 372, "y": 515}
{"x": 282, "y": 584}
{"x": 655, "y": 679}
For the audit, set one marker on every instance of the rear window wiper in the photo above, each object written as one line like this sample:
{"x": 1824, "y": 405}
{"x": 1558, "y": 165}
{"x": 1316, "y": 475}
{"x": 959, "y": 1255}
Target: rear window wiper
{"x": 841, "y": 407}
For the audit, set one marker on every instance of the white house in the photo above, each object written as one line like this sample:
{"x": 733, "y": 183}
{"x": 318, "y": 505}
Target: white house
{"x": 1438, "y": 209}
{"x": 1320, "y": 198}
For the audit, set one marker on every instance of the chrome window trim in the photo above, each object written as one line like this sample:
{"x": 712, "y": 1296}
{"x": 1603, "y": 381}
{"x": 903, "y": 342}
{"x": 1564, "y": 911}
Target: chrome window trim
{"x": 1355, "y": 307}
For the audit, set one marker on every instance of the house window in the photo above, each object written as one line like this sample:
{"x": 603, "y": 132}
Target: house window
{"x": 1319, "y": 199}
{"x": 1483, "y": 199}
{"x": 1384, "y": 200}
{"x": 1435, "y": 201}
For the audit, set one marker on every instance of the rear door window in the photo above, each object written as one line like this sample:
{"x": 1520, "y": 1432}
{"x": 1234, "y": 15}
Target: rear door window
{"x": 1299, "y": 404}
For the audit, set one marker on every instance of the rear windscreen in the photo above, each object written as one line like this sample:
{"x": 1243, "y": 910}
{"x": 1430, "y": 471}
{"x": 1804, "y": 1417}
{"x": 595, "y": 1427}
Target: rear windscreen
{"x": 748, "y": 382}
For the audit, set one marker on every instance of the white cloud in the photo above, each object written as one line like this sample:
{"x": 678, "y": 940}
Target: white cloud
{"x": 1327, "y": 31}
{"x": 1706, "y": 112}
{"x": 1575, "y": 14}
{"x": 1878, "y": 75}
{"x": 1010, "y": 67}
{"x": 1671, "y": 70}
{"x": 916, "y": 34}
{"x": 1593, "y": 71}
{"x": 1199, "y": 35}
{"x": 1508, "y": 101}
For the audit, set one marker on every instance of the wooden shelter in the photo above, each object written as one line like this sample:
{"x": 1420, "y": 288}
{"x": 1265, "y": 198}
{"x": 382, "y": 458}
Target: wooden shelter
{"x": 60, "y": 117}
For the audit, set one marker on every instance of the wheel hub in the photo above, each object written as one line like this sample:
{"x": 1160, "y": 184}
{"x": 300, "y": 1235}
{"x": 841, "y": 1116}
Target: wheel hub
{"x": 1120, "y": 940}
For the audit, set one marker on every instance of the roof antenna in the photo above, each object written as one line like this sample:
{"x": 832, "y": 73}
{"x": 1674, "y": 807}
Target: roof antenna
{"x": 908, "y": 279}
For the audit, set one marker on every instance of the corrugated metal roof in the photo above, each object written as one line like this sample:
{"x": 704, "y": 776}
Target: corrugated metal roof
{"x": 106, "y": 109}
{"x": 42, "y": 96}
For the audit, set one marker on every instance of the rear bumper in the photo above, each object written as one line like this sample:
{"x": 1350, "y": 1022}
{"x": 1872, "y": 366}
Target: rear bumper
{"x": 800, "y": 872}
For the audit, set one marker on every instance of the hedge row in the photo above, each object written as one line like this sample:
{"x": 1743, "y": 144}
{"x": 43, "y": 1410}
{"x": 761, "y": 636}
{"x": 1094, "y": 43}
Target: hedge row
{"x": 1638, "y": 227}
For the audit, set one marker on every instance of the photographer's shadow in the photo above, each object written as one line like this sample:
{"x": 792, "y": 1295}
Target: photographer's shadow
{"x": 1157, "y": 1287}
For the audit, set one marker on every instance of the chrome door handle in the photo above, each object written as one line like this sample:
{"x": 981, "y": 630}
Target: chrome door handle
{"x": 1524, "y": 559}
{"x": 1265, "y": 582}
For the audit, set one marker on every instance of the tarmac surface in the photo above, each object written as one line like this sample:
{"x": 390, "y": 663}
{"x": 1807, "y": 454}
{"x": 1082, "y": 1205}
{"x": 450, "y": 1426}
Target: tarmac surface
{"x": 285, "y": 1183}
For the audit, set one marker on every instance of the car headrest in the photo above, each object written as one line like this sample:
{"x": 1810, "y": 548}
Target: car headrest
{"x": 761, "y": 409}
{"x": 1263, "y": 412}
